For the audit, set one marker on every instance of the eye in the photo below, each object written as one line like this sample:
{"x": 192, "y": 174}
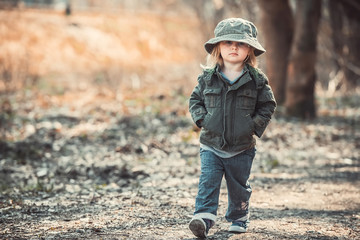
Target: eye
{"x": 240, "y": 44}
{"x": 228, "y": 42}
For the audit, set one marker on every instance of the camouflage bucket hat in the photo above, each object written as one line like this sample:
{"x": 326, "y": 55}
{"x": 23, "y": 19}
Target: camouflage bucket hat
{"x": 237, "y": 30}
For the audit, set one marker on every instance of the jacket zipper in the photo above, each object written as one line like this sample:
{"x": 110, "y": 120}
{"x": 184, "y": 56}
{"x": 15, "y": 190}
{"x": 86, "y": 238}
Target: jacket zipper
{"x": 224, "y": 118}
{"x": 232, "y": 115}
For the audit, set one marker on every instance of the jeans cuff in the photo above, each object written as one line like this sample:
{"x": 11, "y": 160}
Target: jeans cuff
{"x": 244, "y": 218}
{"x": 210, "y": 216}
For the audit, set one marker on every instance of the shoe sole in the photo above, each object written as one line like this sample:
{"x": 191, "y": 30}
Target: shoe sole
{"x": 198, "y": 228}
{"x": 236, "y": 229}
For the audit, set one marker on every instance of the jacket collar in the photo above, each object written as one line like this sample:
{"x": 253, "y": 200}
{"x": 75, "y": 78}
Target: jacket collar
{"x": 244, "y": 78}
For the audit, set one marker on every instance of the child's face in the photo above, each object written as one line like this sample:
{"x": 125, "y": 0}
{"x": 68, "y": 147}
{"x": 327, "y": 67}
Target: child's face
{"x": 234, "y": 52}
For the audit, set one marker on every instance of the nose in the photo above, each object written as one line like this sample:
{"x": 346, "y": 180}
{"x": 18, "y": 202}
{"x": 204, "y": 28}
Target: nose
{"x": 234, "y": 45}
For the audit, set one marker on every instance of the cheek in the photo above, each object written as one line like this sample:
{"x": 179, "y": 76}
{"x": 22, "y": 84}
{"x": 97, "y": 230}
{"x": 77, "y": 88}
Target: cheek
{"x": 246, "y": 52}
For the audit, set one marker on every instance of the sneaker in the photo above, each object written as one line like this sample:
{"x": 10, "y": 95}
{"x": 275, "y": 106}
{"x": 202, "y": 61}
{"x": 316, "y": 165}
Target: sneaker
{"x": 238, "y": 227}
{"x": 200, "y": 227}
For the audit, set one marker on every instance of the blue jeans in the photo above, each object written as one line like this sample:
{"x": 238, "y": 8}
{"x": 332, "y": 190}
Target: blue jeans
{"x": 237, "y": 171}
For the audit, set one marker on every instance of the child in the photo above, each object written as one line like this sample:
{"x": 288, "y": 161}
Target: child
{"x": 232, "y": 102}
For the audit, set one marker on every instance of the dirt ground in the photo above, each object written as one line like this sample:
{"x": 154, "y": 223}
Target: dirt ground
{"x": 136, "y": 178}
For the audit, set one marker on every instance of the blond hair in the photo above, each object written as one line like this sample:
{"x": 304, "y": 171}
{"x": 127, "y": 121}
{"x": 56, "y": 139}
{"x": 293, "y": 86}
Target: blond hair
{"x": 215, "y": 58}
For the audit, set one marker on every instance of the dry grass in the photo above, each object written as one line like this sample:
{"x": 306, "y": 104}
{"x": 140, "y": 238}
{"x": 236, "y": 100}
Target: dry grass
{"x": 124, "y": 50}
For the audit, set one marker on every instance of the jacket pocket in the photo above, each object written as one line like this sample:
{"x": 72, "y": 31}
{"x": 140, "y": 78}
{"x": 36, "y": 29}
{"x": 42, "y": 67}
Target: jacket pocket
{"x": 246, "y": 99}
{"x": 243, "y": 134}
{"x": 251, "y": 124}
{"x": 212, "y": 97}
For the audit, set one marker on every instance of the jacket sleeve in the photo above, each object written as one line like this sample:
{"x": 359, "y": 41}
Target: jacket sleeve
{"x": 196, "y": 104}
{"x": 265, "y": 108}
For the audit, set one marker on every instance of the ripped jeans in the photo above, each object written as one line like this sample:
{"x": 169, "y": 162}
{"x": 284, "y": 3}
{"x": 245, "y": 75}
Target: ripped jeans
{"x": 237, "y": 171}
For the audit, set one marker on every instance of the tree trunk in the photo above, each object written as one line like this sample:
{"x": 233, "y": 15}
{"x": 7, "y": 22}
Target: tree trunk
{"x": 277, "y": 25}
{"x": 210, "y": 13}
{"x": 346, "y": 38}
{"x": 336, "y": 22}
{"x": 301, "y": 79}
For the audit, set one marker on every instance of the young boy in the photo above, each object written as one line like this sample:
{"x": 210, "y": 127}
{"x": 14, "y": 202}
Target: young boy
{"x": 231, "y": 103}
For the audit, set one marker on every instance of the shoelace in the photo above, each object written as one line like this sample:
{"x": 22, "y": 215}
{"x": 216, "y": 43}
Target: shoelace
{"x": 240, "y": 224}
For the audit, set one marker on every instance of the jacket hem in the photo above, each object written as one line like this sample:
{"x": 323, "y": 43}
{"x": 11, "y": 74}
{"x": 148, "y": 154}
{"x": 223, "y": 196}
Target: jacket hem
{"x": 234, "y": 148}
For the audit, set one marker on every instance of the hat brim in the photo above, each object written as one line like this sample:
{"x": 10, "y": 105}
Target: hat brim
{"x": 258, "y": 49}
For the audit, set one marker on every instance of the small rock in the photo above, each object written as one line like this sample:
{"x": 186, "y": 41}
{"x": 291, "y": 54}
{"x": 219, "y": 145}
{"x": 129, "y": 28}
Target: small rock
{"x": 42, "y": 172}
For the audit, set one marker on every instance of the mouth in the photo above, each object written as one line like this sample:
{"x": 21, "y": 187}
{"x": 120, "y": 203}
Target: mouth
{"x": 233, "y": 54}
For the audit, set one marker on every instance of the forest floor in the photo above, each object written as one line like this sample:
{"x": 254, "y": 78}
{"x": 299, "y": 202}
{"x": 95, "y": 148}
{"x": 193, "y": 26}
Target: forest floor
{"x": 93, "y": 172}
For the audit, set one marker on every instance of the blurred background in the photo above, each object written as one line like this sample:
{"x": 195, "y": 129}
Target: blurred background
{"x": 157, "y": 46}
{"x": 312, "y": 47}
{"x": 112, "y": 58}
{"x": 95, "y": 61}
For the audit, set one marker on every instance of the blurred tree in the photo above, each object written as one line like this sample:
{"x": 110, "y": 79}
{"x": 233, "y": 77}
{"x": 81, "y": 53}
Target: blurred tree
{"x": 277, "y": 25}
{"x": 300, "y": 87}
{"x": 4, "y": 4}
{"x": 291, "y": 56}
{"x": 68, "y": 8}
{"x": 345, "y": 25}
{"x": 209, "y": 14}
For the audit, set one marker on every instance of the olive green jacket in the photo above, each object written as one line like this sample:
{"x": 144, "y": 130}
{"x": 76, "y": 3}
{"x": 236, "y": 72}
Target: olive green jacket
{"x": 230, "y": 115}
